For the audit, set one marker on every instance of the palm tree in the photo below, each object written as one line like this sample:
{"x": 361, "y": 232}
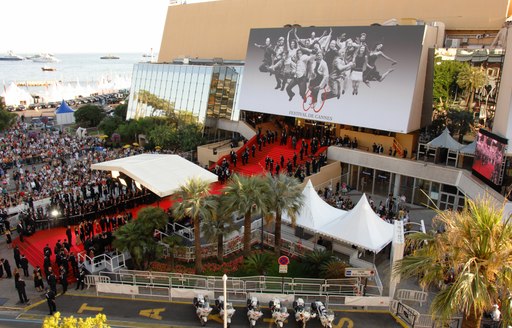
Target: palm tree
{"x": 192, "y": 200}
{"x": 152, "y": 218}
{"x": 285, "y": 196}
{"x": 173, "y": 243}
{"x": 258, "y": 263}
{"x": 475, "y": 252}
{"x": 471, "y": 78}
{"x": 218, "y": 226}
{"x": 133, "y": 238}
{"x": 247, "y": 195}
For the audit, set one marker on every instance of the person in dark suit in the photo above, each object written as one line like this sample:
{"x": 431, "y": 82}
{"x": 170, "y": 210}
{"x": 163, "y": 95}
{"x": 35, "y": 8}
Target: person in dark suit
{"x": 52, "y": 282}
{"x": 7, "y": 268}
{"x": 17, "y": 256}
{"x": 63, "y": 279}
{"x": 47, "y": 265}
{"x": 69, "y": 234}
{"x": 20, "y": 287}
{"x": 50, "y": 299}
{"x": 19, "y": 229}
{"x": 81, "y": 279}
{"x": 24, "y": 265}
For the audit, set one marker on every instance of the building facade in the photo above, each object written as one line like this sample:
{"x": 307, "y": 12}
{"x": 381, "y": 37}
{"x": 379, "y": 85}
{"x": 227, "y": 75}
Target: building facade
{"x": 221, "y": 29}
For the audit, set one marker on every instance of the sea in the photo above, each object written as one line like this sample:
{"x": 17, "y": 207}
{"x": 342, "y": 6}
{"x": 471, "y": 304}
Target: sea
{"x": 85, "y": 69}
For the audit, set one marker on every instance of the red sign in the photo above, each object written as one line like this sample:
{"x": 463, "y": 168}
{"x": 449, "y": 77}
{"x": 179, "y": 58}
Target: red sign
{"x": 283, "y": 260}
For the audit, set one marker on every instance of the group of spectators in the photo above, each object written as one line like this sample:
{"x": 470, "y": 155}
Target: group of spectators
{"x": 294, "y": 166}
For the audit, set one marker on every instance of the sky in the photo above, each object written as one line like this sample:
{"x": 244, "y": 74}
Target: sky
{"x": 90, "y": 26}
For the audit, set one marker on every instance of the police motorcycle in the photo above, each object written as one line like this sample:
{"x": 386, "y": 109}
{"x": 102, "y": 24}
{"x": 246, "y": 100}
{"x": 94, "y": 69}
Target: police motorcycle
{"x": 203, "y": 308}
{"x": 319, "y": 311}
{"x": 253, "y": 311}
{"x": 230, "y": 311}
{"x": 279, "y": 313}
{"x": 302, "y": 314}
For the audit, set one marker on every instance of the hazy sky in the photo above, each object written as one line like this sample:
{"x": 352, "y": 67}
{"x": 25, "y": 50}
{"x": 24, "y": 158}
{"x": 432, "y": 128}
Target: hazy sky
{"x": 71, "y": 26}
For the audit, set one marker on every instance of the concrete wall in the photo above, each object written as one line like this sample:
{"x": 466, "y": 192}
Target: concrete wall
{"x": 221, "y": 28}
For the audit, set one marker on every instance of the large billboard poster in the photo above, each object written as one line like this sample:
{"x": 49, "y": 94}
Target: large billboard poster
{"x": 362, "y": 76}
{"x": 489, "y": 158}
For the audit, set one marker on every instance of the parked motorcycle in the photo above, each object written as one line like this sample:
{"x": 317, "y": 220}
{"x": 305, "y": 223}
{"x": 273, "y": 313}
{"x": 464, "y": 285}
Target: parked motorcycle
{"x": 253, "y": 311}
{"x": 203, "y": 308}
{"x": 319, "y": 310}
{"x": 230, "y": 311}
{"x": 279, "y": 313}
{"x": 302, "y": 314}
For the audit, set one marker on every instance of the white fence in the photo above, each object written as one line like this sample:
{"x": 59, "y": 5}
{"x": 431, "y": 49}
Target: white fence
{"x": 101, "y": 262}
{"x": 172, "y": 286}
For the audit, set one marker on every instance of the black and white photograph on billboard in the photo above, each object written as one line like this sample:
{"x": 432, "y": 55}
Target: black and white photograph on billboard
{"x": 361, "y": 76}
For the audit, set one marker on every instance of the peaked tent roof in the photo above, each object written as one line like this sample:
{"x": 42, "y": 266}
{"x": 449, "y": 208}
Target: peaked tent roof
{"x": 468, "y": 149}
{"x": 162, "y": 174}
{"x": 315, "y": 212}
{"x": 445, "y": 140}
{"x": 64, "y": 108}
{"x": 362, "y": 227}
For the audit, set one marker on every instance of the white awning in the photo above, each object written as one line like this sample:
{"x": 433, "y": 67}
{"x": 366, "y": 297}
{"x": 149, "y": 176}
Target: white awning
{"x": 162, "y": 174}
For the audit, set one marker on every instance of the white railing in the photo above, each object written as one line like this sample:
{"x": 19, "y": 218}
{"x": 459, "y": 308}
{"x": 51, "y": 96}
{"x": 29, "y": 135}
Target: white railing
{"x": 412, "y": 295}
{"x": 241, "y": 285}
{"x": 102, "y": 262}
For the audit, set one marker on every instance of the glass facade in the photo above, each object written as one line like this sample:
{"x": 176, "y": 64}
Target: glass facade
{"x": 203, "y": 90}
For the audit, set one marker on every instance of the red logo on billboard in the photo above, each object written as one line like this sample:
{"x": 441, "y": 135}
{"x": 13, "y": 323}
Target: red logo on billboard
{"x": 317, "y": 107}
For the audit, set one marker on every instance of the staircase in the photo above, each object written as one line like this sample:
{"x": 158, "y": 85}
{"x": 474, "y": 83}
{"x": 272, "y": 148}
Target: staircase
{"x": 35, "y": 257}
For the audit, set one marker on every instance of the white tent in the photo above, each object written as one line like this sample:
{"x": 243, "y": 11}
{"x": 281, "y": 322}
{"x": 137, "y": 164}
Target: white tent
{"x": 162, "y": 174}
{"x": 445, "y": 140}
{"x": 361, "y": 227}
{"x": 14, "y": 96}
{"x": 64, "y": 114}
{"x": 468, "y": 149}
{"x": 315, "y": 212}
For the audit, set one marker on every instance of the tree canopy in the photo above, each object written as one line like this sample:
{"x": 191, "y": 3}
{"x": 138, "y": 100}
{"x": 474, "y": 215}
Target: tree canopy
{"x": 470, "y": 253}
{"x": 89, "y": 116}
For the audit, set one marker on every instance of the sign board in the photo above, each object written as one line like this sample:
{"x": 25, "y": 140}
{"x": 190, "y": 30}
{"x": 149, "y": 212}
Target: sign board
{"x": 359, "y": 272}
{"x": 337, "y": 92}
{"x": 283, "y": 268}
{"x": 283, "y": 260}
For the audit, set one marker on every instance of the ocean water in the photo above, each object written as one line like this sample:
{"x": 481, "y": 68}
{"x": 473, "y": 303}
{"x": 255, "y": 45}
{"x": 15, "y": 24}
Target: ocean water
{"x": 84, "y": 68}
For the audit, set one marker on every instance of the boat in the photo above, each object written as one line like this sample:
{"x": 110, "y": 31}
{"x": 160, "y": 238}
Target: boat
{"x": 109, "y": 57}
{"x": 44, "y": 58}
{"x": 48, "y": 69}
{"x": 11, "y": 56}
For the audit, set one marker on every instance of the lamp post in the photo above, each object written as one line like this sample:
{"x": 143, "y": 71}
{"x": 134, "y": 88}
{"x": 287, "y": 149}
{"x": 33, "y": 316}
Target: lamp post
{"x": 224, "y": 288}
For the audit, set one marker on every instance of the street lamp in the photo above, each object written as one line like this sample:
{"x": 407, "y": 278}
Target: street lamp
{"x": 224, "y": 288}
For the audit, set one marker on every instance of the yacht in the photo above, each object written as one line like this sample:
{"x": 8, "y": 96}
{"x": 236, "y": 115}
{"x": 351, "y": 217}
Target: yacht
{"x": 48, "y": 69}
{"x": 109, "y": 57}
{"x": 11, "y": 56}
{"x": 44, "y": 58}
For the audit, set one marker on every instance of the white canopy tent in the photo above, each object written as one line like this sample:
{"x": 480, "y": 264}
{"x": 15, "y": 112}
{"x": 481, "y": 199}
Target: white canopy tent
{"x": 361, "y": 227}
{"x": 14, "y": 95}
{"x": 315, "y": 212}
{"x": 468, "y": 150}
{"x": 162, "y": 174}
{"x": 445, "y": 140}
{"x": 64, "y": 114}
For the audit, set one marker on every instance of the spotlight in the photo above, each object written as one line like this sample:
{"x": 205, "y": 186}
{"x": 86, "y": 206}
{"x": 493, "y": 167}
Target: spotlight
{"x": 137, "y": 183}
{"x": 123, "y": 182}
{"x": 115, "y": 174}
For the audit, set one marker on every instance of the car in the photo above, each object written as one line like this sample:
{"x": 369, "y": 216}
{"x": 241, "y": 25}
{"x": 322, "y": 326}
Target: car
{"x": 21, "y": 108}
{"x": 11, "y": 108}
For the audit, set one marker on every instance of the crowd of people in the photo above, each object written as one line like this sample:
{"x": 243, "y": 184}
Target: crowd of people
{"x": 294, "y": 166}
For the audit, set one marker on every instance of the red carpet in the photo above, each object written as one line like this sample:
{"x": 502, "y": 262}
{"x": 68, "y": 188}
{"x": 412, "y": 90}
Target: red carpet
{"x": 32, "y": 247}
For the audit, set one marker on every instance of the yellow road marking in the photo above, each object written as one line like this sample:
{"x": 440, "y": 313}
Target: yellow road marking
{"x": 84, "y": 307}
{"x": 152, "y": 313}
{"x": 341, "y": 323}
{"x": 215, "y": 318}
